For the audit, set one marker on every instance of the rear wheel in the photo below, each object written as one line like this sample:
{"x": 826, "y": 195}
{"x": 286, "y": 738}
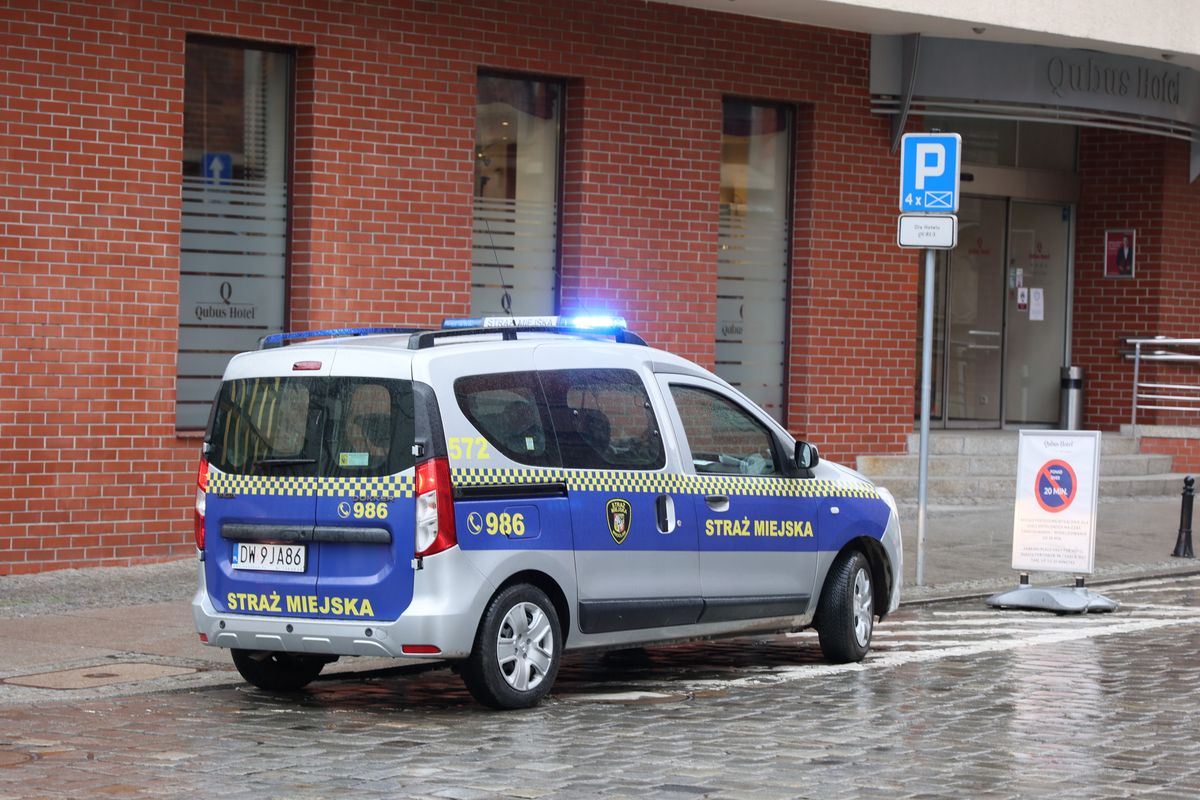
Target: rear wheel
{"x": 846, "y": 616}
{"x": 517, "y": 650}
{"x": 277, "y": 672}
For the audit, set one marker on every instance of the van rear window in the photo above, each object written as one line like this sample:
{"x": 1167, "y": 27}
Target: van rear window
{"x": 312, "y": 427}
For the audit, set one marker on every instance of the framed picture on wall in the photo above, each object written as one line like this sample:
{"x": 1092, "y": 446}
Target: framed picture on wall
{"x": 1119, "y": 253}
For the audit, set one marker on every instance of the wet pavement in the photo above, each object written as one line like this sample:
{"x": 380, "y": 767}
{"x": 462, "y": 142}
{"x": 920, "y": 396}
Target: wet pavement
{"x": 955, "y": 700}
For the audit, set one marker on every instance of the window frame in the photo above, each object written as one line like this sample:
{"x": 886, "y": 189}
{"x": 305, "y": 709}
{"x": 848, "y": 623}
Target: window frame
{"x": 324, "y": 423}
{"x": 550, "y": 456}
{"x": 784, "y": 442}
{"x": 563, "y": 85}
{"x": 791, "y": 113}
{"x": 565, "y": 436}
{"x": 777, "y": 459}
{"x": 289, "y": 156}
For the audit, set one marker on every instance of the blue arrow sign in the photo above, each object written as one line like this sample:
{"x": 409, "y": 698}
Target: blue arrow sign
{"x": 929, "y": 168}
{"x": 218, "y": 167}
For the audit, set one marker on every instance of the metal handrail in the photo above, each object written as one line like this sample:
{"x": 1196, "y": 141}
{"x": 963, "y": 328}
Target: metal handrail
{"x": 1161, "y": 355}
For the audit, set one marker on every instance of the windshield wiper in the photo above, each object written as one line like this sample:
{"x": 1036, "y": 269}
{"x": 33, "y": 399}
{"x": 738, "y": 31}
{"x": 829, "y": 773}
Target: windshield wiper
{"x": 282, "y": 462}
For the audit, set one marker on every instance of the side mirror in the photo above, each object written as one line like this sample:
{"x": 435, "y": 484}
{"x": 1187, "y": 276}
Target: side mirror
{"x": 806, "y": 455}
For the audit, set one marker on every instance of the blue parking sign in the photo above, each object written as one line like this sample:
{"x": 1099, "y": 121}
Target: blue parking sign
{"x": 929, "y": 167}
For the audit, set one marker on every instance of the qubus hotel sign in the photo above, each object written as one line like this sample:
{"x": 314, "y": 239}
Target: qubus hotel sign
{"x": 1064, "y": 84}
{"x": 226, "y": 309}
{"x": 1092, "y": 76}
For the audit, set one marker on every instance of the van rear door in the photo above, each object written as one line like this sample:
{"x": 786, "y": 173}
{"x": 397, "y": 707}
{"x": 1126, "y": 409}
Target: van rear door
{"x": 365, "y": 511}
{"x": 264, "y": 447}
{"x": 310, "y": 503}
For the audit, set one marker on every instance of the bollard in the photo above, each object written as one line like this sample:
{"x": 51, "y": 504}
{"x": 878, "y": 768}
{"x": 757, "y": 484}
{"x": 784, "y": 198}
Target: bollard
{"x": 1183, "y": 544}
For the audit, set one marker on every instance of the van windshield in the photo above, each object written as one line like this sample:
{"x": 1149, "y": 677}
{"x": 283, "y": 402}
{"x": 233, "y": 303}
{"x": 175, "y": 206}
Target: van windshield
{"x": 312, "y": 427}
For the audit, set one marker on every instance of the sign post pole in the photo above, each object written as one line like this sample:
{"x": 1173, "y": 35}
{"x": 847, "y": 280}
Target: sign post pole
{"x": 929, "y": 188}
{"x": 926, "y": 404}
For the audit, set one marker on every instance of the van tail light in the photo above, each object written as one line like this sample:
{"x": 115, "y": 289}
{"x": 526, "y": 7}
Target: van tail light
{"x": 201, "y": 491}
{"x": 435, "y": 508}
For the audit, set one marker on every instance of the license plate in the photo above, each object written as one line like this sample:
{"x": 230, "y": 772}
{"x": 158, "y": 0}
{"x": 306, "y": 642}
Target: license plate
{"x": 269, "y": 557}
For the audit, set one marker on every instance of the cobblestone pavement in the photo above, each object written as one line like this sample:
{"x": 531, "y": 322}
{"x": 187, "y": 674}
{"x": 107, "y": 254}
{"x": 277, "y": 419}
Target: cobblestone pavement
{"x": 956, "y": 700}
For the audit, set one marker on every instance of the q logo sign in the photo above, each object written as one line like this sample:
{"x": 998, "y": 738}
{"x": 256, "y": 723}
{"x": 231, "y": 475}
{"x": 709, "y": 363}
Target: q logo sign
{"x": 1055, "y": 486}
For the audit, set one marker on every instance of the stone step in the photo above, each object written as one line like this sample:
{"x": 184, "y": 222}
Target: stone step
{"x": 997, "y": 491}
{"x": 967, "y": 442}
{"x": 969, "y": 467}
{"x": 1000, "y": 466}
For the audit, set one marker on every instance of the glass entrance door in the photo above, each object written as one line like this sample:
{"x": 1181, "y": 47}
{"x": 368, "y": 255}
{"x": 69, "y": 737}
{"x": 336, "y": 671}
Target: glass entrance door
{"x": 1000, "y": 316}
{"x": 1039, "y": 258}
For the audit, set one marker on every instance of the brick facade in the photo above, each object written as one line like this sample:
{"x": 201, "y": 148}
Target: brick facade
{"x": 381, "y": 207}
{"x": 1139, "y": 182}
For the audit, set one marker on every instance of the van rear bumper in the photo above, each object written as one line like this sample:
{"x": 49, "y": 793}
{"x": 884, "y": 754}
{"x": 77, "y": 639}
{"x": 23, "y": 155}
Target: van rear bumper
{"x": 441, "y": 615}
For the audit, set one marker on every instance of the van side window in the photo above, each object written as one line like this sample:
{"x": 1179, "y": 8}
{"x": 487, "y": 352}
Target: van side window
{"x": 603, "y": 419}
{"x": 724, "y": 438}
{"x": 508, "y": 409}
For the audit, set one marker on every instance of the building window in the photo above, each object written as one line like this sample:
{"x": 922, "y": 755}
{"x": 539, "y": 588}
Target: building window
{"x": 515, "y": 232}
{"x": 754, "y": 252}
{"x": 1011, "y": 143}
{"x": 233, "y": 248}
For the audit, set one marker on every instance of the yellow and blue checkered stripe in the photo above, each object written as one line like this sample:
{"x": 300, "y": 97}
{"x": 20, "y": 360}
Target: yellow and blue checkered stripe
{"x": 270, "y": 486}
{"x": 610, "y": 481}
{"x": 623, "y": 481}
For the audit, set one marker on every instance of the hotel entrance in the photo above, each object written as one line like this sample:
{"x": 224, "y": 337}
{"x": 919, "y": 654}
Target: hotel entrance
{"x": 1002, "y": 309}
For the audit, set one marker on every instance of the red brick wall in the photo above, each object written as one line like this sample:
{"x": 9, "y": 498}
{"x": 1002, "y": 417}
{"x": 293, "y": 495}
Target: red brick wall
{"x": 89, "y": 227}
{"x": 90, "y": 138}
{"x": 1185, "y": 452}
{"x": 1139, "y": 182}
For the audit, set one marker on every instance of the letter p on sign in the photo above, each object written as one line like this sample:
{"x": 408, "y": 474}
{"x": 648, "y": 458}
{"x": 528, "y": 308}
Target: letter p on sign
{"x": 931, "y": 162}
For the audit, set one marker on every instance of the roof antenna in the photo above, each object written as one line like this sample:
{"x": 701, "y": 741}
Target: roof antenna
{"x": 506, "y": 298}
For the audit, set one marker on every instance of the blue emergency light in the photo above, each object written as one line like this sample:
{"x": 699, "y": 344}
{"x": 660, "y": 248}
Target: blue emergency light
{"x": 595, "y": 323}
{"x": 280, "y": 339}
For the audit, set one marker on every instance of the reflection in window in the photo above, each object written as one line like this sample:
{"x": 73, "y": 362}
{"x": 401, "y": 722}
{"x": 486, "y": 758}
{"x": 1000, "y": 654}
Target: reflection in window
{"x": 234, "y": 222}
{"x": 752, "y": 260}
{"x": 507, "y": 408}
{"x": 1011, "y": 143}
{"x": 258, "y": 421}
{"x": 603, "y": 419}
{"x": 723, "y": 438}
{"x": 515, "y": 230}
{"x": 311, "y": 426}
{"x": 367, "y": 430}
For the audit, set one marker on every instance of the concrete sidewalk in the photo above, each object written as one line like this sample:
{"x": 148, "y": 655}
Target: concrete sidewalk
{"x": 75, "y": 634}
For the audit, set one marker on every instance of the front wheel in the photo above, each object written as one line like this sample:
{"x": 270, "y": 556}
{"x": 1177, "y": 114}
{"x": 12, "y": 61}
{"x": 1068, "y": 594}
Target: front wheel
{"x": 846, "y": 616}
{"x": 277, "y": 672}
{"x": 517, "y": 650}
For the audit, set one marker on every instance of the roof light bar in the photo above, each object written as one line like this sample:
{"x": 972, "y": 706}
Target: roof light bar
{"x": 280, "y": 339}
{"x": 580, "y": 322}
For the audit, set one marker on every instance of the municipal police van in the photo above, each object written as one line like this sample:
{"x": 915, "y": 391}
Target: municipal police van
{"x": 498, "y": 493}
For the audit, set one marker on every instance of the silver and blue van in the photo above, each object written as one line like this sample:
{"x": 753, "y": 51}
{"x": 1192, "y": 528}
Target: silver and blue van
{"x": 496, "y": 493}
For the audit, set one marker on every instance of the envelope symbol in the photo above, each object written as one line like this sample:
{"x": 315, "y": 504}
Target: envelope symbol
{"x": 938, "y": 199}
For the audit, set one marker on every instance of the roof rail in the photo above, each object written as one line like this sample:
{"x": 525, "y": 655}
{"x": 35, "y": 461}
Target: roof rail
{"x": 421, "y": 340}
{"x": 281, "y": 339}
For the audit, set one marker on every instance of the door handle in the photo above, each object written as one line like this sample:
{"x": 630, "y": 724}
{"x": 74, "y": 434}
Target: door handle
{"x": 717, "y": 502}
{"x": 664, "y": 508}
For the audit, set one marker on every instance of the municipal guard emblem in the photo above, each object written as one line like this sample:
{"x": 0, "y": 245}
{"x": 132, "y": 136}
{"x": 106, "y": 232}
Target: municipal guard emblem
{"x": 619, "y": 514}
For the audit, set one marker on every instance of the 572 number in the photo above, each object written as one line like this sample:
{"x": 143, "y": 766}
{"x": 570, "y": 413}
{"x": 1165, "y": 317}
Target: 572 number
{"x": 468, "y": 447}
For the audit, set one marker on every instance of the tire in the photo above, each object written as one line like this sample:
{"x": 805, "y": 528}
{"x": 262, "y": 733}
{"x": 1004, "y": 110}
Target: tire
{"x": 277, "y": 672}
{"x": 846, "y": 616}
{"x": 517, "y": 650}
